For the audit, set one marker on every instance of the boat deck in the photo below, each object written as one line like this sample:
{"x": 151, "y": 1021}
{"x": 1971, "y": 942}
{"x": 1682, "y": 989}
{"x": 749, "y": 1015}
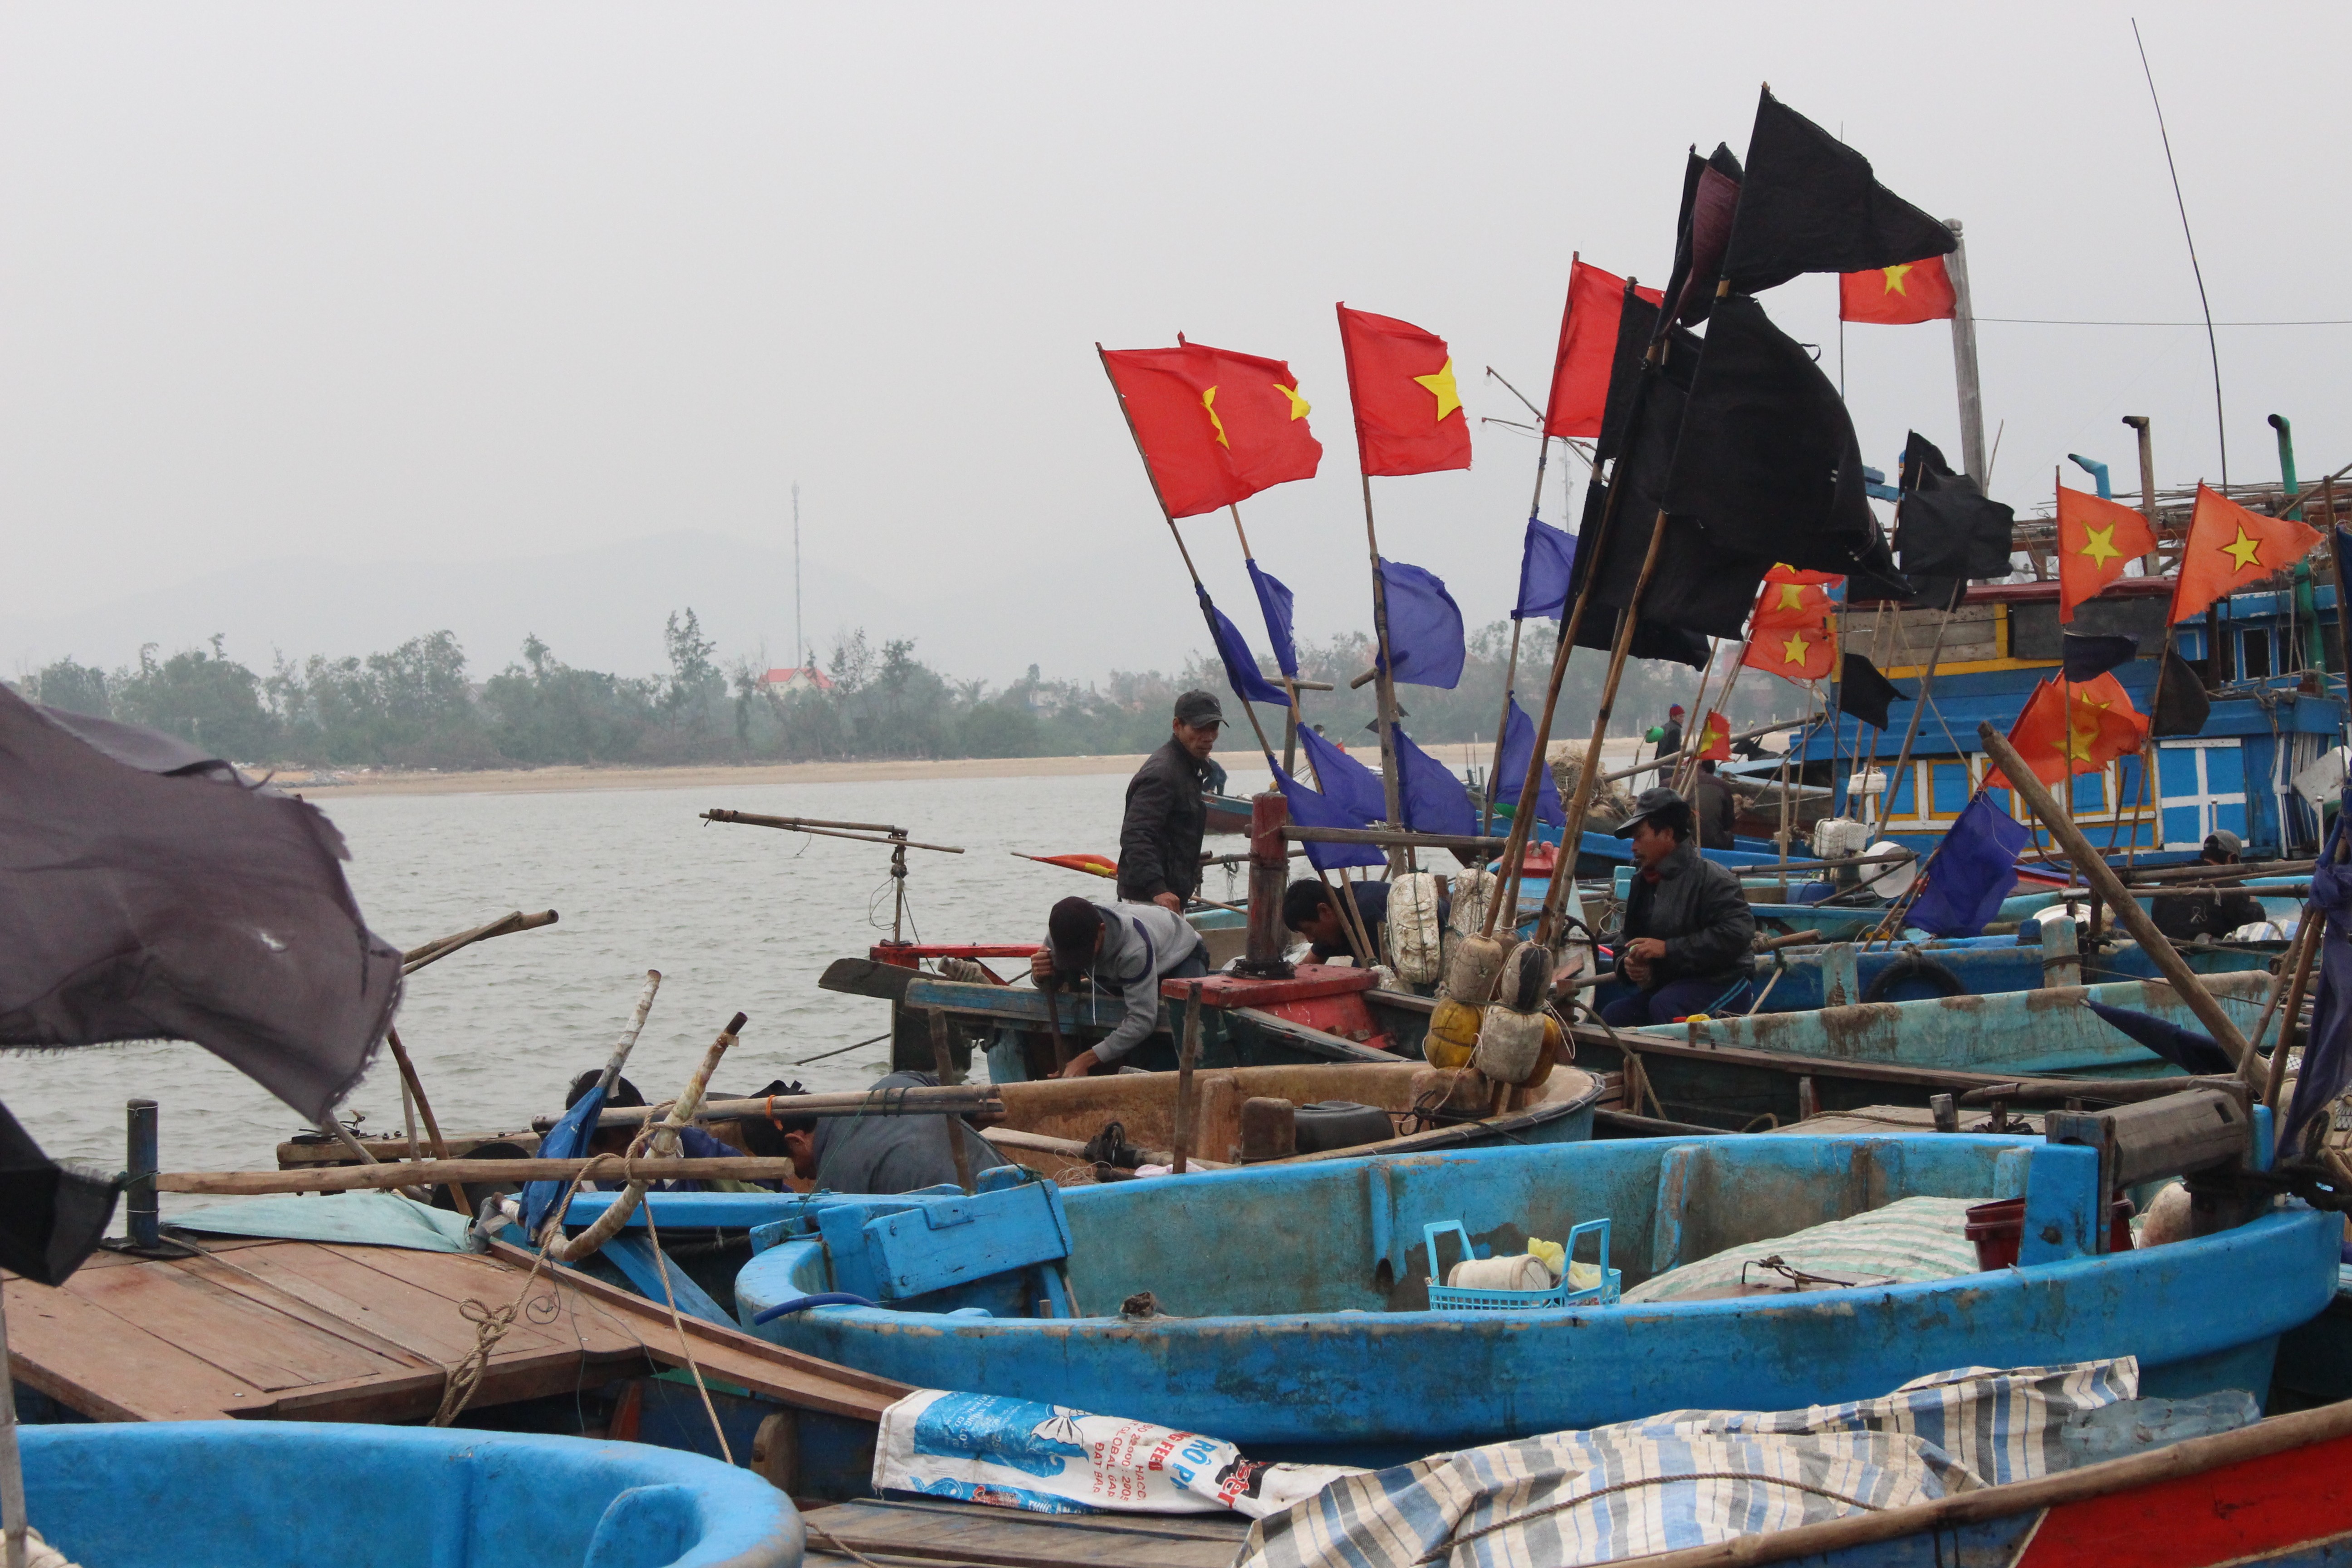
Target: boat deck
{"x": 932, "y": 1531}
{"x": 317, "y": 1331}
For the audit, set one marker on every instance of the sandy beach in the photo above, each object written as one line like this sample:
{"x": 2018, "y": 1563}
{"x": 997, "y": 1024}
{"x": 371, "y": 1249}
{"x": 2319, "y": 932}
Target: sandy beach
{"x": 550, "y": 780}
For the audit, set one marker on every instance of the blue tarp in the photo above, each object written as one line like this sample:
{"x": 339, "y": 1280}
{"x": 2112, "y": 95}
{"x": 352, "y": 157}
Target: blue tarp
{"x": 1309, "y": 809}
{"x": 1274, "y": 601}
{"x": 1546, "y": 560}
{"x": 360, "y": 1219}
{"x": 1241, "y": 665}
{"x": 1971, "y": 871}
{"x": 1425, "y": 644}
{"x": 1511, "y": 771}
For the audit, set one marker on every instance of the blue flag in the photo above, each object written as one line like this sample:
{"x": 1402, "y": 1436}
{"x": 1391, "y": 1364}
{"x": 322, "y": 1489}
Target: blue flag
{"x": 1424, "y": 627}
{"x": 1241, "y": 665}
{"x": 1346, "y": 783}
{"x": 1511, "y": 773}
{"x": 1545, "y": 562}
{"x": 1273, "y": 599}
{"x": 1309, "y": 809}
{"x": 1971, "y": 872}
{"x": 1434, "y": 800}
{"x": 567, "y": 1139}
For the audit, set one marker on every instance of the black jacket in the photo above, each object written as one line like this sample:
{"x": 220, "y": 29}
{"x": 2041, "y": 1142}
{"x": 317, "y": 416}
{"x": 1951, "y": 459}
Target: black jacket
{"x": 1160, "y": 841}
{"x": 1713, "y": 805}
{"x": 2185, "y": 916}
{"x": 1697, "y": 909}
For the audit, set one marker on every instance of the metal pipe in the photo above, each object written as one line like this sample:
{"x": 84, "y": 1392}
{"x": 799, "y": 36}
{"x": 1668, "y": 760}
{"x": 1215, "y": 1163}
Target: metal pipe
{"x": 142, "y": 1209}
{"x": 2098, "y": 472}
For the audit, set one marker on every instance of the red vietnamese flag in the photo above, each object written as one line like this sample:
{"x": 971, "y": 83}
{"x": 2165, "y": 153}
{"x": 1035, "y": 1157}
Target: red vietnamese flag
{"x": 1588, "y": 348}
{"x": 1793, "y": 598}
{"x": 1799, "y": 653}
{"x": 1409, "y": 417}
{"x": 1717, "y": 747}
{"x": 2230, "y": 547}
{"x": 2105, "y": 726}
{"x": 1897, "y": 296}
{"x": 1215, "y": 427}
{"x": 2096, "y": 539}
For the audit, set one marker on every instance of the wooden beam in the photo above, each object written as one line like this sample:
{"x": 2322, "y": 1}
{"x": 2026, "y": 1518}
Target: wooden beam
{"x": 419, "y": 1173}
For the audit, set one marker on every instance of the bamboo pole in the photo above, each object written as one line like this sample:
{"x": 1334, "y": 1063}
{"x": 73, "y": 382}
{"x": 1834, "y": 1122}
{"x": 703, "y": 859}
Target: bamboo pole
{"x": 797, "y": 824}
{"x": 946, "y": 1100}
{"x": 1911, "y": 734}
{"x": 1772, "y": 729}
{"x": 2103, "y": 880}
{"x": 415, "y": 1085}
{"x": 564, "y": 1248}
{"x": 416, "y": 958}
{"x": 1502, "y": 720}
{"x": 1185, "y": 1062}
{"x": 403, "y": 1172}
{"x": 1384, "y": 678}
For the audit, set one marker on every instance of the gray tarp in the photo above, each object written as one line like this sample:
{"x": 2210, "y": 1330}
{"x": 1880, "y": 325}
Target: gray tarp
{"x": 147, "y": 891}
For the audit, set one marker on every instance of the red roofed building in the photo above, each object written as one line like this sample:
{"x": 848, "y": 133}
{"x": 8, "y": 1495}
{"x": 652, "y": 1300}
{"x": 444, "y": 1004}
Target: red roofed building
{"x": 809, "y": 679}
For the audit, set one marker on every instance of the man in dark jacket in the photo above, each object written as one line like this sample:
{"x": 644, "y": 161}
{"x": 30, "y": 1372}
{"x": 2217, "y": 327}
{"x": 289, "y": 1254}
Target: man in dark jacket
{"x": 2185, "y": 916}
{"x": 1160, "y": 841}
{"x": 1716, "y": 810}
{"x": 1688, "y": 937}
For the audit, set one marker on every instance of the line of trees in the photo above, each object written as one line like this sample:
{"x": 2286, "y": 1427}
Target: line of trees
{"x": 416, "y": 707}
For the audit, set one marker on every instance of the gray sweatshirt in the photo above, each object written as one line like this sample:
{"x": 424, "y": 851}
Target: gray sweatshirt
{"x": 1141, "y": 945}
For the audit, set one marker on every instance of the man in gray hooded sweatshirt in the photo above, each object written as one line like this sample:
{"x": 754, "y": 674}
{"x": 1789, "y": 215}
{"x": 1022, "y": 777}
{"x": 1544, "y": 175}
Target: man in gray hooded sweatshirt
{"x": 1126, "y": 950}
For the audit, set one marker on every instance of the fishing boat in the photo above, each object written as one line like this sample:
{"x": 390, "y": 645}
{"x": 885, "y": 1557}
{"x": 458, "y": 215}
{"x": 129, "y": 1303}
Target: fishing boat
{"x": 133, "y": 1495}
{"x": 1289, "y": 1308}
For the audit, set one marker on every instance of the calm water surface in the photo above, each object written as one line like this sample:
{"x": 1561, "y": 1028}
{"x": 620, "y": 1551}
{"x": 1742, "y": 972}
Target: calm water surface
{"x": 735, "y": 918}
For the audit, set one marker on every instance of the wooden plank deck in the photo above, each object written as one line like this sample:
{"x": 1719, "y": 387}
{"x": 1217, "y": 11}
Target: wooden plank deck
{"x": 936, "y": 1534}
{"x": 329, "y": 1332}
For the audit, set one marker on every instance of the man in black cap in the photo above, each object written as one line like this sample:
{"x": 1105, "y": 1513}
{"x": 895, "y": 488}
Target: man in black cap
{"x": 2186, "y": 916}
{"x": 1688, "y": 937}
{"x": 1160, "y": 840}
{"x": 1126, "y": 950}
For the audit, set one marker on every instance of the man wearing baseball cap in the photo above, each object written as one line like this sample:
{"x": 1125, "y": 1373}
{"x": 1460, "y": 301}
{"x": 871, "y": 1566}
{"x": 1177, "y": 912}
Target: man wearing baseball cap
{"x": 1160, "y": 840}
{"x": 2186, "y": 916}
{"x": 1688, "y": 944}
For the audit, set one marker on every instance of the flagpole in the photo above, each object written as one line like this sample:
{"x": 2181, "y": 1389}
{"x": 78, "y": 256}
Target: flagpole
{"x": 1964, "y": 357}
{"x": 1200, "y": 591}
{"x": 1522, "y": 821}
{"x": 1683, "y": 754}
{"x": 1289, "y": 683}
{"x": 1383, "y": 677}
{"x": 1918, "y": 707}
{"x": 1501, "y": 721}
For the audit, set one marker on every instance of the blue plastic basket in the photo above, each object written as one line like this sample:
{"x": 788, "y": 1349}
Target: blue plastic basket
{"x": 1451, "y": 1299}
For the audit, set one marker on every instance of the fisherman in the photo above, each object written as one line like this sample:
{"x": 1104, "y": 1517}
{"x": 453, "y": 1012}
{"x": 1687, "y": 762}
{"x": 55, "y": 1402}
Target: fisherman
{"x": 2187, "y": 916}
{"x": 693, "y": 1142}
{"x": 1713, "y": 803}
{"x": 1160, "y": 840}
{"x": 1688, "y": 934}
{"x": 880, "y": 1153}
{"x": 1669, "y": 736}
{"x": 1125, "y": 950}
{"x": 1308, "y": 909}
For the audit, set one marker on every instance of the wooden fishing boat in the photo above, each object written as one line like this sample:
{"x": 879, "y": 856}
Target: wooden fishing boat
{"x": 2270, "y": 1493}
{"x": 1288, "y": 1308}
{"x": 162, "y": 1494}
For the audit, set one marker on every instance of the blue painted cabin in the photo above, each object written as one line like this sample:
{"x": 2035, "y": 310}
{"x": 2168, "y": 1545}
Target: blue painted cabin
{"x": 1298, "y": 1318}
{"x": 264, "y": 1494}
{"x": 2273, "y": 717}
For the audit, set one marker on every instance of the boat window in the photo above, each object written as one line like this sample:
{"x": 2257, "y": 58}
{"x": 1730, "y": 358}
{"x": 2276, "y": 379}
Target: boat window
{"x": 2091, "y": 792}
{"x": 1904, "y": 802}
{"x": 2254, "y": 654}
{"x": 1950, "y": 788}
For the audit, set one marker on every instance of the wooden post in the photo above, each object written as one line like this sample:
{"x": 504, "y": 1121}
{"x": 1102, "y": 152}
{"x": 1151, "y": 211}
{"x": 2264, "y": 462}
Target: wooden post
{"x": 1269, "y": 869}
{"x": 2149, "y": 563}
{"x": 1187, "y": 1058}
{"x": 142, "y": 1213}
{"x": 1573, "y": 836}
{"x": 2104, "y": 881}
{"x": 1502, "y": 726}
{"x": 942, "y": 1066}
{"x": 1964, "y": 357}
{"x": 1054, "y": 1022}
{"x": 1385, "y": 680}
{"x": 424, "y": 1109}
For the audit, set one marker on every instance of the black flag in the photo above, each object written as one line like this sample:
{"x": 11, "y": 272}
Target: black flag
{"x": 1810, "y": 204}
{"x": 2089, "y": 658}
{"x": 1945, "y": 525}
{"x": 1864, "y": 692}
{"x": 51, "y": 1216}
{"x": 149, "y": 892}
{"x": 1768, "y": 463}
{"x": 2181, "y": 705}
{"x": 1710, "y": 200}
{"x": 1619, "y": 564}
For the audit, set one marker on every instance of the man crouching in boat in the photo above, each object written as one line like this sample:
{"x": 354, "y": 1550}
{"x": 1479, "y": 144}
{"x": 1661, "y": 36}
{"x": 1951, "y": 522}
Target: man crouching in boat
{"x": 1688, "y": 937}
{"x": 1126, "y": 950}
{"x": 877, "y": 1154}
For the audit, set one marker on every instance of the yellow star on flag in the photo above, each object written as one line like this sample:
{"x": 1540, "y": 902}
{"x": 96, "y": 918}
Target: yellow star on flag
{"x": 1894, "y": 275}
{"x": 1793, "y": 650}
{"x": 1441, "y": 387}
{"x": 2101, "y": 544}
{"x": 2246, "y": 552}
{"x": 1793, "y": 597}
{"x": 1209, "y": 402}
{"x": 1299, "y": 407}
{"x": 2082, "y": 738}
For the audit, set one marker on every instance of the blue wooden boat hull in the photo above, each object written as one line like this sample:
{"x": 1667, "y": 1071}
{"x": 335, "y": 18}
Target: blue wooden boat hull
{"x": 229, "y": 1494}
{"x": 1299, "y": 1294}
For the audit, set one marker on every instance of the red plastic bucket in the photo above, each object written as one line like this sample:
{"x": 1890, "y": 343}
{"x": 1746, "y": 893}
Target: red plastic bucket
{"x": 1997, "y": 1227}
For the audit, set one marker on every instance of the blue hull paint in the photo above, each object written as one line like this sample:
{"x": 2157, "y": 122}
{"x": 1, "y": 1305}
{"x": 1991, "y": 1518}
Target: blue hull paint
{"x": 269, "y": 1493}
{"x": 1299, "y": 1294}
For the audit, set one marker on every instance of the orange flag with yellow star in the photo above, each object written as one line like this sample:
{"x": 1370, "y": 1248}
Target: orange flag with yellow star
{"x": 2096, "y": 539}
{"x": 1409, "y": 417}
{"x": 2230, "y": 547}
{"x": 2076, "y": 729}
{"x": 1215, "y": 427}
{"x": 1898, "y": 296}
{"x": 1793, "y": 598}
{"x": 1790, "y": 633}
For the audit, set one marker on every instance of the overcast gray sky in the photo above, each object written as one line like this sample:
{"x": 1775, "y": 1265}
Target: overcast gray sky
{"x": 471, "y": 287}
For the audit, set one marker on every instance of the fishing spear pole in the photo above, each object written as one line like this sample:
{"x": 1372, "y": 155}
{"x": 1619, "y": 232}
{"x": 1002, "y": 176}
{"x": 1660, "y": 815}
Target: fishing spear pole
{"x": 1383, "y": 675}
{"x": 1535, "y": 510}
